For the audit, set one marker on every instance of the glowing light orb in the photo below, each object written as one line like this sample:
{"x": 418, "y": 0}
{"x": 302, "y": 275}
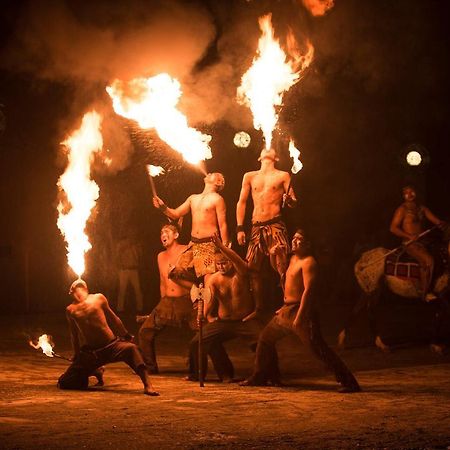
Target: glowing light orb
{"x": 241, "y": 139}
{"x": 414, "y": 158}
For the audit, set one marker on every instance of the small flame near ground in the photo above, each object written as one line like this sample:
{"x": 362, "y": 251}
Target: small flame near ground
{"x": 45, "y": 343}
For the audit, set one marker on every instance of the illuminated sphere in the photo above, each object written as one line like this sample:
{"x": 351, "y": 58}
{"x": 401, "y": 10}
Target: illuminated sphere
{"x": 414, "y": 158}
{"x": 241, "y": 139}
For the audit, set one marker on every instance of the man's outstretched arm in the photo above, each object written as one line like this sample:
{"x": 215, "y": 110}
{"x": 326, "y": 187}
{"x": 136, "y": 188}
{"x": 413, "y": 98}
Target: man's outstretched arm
{"x": 173, "y": 214}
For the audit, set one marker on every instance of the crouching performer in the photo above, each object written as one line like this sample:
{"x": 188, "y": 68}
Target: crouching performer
{"x": 92, "y": 322}
{"x": 175, "y": 307}
{"x": 298, "y": 315}
{"x": 231, "y": 302}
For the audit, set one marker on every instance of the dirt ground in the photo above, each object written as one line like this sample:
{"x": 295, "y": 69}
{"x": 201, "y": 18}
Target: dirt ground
{"x": 404, "y": 403}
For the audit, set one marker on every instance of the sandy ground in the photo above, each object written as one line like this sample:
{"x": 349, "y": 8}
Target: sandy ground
{"x": 405, "y": 403}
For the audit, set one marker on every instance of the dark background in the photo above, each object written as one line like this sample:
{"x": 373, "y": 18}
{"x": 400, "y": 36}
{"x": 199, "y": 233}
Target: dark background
{"x": 379, "y": 83}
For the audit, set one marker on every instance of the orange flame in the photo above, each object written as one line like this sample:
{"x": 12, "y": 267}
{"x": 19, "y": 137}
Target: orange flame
{"x": 44, "y": 342}
{"x": 295, "y": 155}
{"x": 318, "y": 7}
{"x": 269, "y": 77}
{"x": 81, "y": 192}
{"x": 152, "y": 102}
{"x": 154, "y": 171}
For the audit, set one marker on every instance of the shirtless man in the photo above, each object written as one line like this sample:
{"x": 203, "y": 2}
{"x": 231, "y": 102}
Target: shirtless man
{"x": 269, "y": 188}
{"x": 93, "y": 324}
{"x": 408, "y": 224}
{"x": 299, "y": 316}
{"x": 208, "y": 217}
{"x": 231, "y": 302}
{"x": 175, "y": 307}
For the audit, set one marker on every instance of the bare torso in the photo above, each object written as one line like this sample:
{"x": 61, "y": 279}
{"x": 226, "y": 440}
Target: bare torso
{"x": 267, "y": 189}
{"x": 233, "y": 295}
{"x": 166, "y": 260}
{"x": 293, "y": 288}
{"x": 204, "y": 215}
{"x": 412, "y": 218}
{"x": 90, "y": 320}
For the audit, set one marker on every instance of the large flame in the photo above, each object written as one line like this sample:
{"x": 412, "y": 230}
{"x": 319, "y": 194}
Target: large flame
{"x": 152, "y": 102}
{"x": 269, "y": 77}
{"x": 44, "y": 342}
{"x": 295, "y": 155}
{"x": 81, "y": 192}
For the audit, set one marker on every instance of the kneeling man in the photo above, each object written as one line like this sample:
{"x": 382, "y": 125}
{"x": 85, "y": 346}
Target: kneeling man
{"x": 92, "y": 322}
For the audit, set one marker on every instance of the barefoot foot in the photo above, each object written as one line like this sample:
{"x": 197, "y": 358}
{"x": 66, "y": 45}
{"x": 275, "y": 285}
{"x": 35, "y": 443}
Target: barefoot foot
{"x": 151, "y": 392}
{"x": 381, "y": 345}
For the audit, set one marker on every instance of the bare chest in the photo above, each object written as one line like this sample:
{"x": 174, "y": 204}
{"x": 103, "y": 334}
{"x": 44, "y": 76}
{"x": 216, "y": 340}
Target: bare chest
{"x": 266, "y": 185}
{"x": 203, "y": 204}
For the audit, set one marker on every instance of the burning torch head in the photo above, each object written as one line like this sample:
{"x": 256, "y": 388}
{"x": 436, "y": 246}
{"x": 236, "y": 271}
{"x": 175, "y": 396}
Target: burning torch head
{"x": 77, "y": 284}
{"x": 268, "y": 153}
{"x": 216, "y": 179}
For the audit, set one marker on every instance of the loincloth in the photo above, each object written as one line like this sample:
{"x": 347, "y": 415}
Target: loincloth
{"x": 172, "y": 311}
{"x": 196, "y": 261}
{"x": 264, "y": 236}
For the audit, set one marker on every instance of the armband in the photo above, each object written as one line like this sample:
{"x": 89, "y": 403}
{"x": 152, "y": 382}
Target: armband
{"x": 163, "y": 208}
{"x": 239, "y": 228}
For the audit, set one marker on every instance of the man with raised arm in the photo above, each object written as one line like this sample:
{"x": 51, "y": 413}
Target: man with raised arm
{"x": 94, "y": 331}
{"x": 270, "y": 188}
{"x": 208, "y": 217}
{"x": 231, "y": 302}
{"x": 408, "y": 224}
{"x": 298, "y": 316}
{"x": 175, "y": 307}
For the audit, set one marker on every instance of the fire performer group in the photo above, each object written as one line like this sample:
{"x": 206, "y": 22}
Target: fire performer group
{"x": 234, "y": 283}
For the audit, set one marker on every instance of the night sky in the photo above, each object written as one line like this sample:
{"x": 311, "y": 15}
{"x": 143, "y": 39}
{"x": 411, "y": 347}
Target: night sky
{"x": 378, "y": 84}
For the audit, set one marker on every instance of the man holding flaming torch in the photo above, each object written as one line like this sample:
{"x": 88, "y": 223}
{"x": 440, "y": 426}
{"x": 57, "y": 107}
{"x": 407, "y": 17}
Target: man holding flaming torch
{"x": 208, "y": 217}
{"x": 91, "y": 322}
{"x": 269, "y": 188}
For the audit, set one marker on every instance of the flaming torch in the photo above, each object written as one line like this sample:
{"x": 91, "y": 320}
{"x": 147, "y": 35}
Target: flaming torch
{"x": 297, "y": 165}
{"x": 45, "y": 343}
{"x": 154, "y": 171}
{"x": 269, "y": 77}
{"x": 151, "y": 102}
{"x": 80, "y": 191}
{"x": 294, "y": 153}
